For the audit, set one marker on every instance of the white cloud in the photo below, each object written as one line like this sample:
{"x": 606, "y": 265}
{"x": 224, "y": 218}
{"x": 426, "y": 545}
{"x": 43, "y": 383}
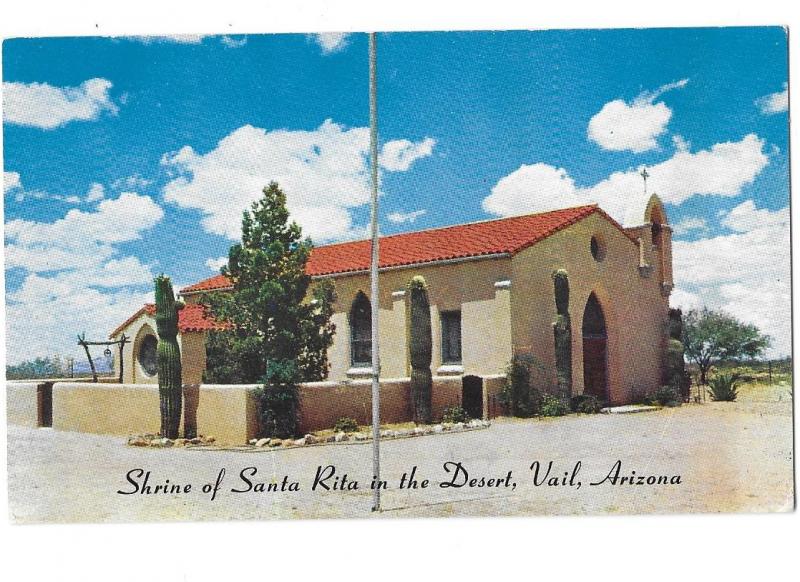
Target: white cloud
{"x": 176, "y": 38}
{"x": 774, "y": 102}
{"x": 398, "y": 155}
{"x": 746, "y": 273}
{"x": 401, "y": 217}
{"x": 11, "y": 182}
{"x": 76, "y": 279}
{"x": 48, "y": 107}
{"x": 681, "y": 144}
{"x": 331, "y": 42}
{"x": 96, "y": 192}
{"x": 324, "y": 173}
{"x": 234, "y": 42}
{"x": 722, "y": 170}
{"x": 634, "y": 126}
{"x": 216, "y": 264}
{"x": 135, "y": 182}
{"x": 690, "y": 224}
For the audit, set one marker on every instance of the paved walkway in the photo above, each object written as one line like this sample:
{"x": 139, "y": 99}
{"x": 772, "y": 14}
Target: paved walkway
{"x": 730, "y": 457}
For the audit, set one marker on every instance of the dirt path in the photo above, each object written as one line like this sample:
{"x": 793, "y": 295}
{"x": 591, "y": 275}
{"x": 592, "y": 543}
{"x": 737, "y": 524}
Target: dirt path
{"x": 730, "y": 457}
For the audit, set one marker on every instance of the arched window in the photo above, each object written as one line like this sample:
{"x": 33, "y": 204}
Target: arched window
{"x": 361, "y": 332}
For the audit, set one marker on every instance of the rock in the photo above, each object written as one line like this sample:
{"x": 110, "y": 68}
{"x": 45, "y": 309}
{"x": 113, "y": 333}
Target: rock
{"x": 180, "y": 442}
{"x": 137, "y": 441}
{"x": 196, "y": 441}
{"x": 300, "y": 442}
{"x": 331, "y": 439}
{"x": 262, "y": 442}
{"x": 341, "y": 437}
{"x": 209, "y": 439}
{"x": 458, "y": 426}
{"x": 310, "y": 439}
{"x": 360, "y": 436}
{"x": 438, "y": 428}
{"x": 252, "y": 441}
{"x": 274, "y": 442}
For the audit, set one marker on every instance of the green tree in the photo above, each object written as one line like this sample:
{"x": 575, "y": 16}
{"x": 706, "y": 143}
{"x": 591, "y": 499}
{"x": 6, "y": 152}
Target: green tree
{"x": 277, "y": 336}
{"x": 37, "y": 368}
{"x": 712, "y": 336}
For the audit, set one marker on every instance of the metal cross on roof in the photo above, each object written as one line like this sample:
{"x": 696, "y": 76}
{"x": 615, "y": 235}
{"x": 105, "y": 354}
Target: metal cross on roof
{"x": 644, "y": 176}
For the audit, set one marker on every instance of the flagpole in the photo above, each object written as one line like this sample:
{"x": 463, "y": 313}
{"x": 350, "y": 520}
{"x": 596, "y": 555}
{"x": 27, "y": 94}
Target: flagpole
{"x": 375, "y": 300}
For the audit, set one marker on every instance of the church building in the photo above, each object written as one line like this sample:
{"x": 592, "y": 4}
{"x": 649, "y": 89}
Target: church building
{"x": 490, "y": 286}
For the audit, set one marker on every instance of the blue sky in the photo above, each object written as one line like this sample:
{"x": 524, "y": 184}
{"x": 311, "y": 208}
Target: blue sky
{"x": 129, "y": 157}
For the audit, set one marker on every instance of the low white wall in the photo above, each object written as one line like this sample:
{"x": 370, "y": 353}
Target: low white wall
{"x": 22, "y": 403}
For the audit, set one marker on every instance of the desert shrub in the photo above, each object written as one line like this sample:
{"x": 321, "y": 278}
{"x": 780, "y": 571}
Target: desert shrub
{"x": 665, "y": 396}
{"x": 724, "y": 387}
{"x": 454, "y": 414}
{"x": 553, "y": 406}
{"x": 585, "y": 404}
{"x": 345, "y": 424}
{"x": 640, "y": 395}
{"x": 519, "y": 394}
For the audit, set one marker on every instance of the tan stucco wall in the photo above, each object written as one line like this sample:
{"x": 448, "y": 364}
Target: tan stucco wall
{"x": 193, "y": 353}
{"x": 633, "y": 305}
{"x": 226, "y": 412}
{"x": 468, "y": 286}
{"x": 22, "y": 403}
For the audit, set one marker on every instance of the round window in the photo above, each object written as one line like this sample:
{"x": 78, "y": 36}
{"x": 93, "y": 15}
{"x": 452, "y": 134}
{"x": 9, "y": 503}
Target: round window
{"x": 148, "y": 355}
{"x": 597, "y": 248}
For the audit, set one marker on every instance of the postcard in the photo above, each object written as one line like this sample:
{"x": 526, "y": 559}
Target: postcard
{"x": 420, "y": 274}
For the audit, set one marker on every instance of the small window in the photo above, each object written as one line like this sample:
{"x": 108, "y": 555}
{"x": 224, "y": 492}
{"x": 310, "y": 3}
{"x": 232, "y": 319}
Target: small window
{"x": 361, "y": 332}
{"x": 148, "y": 355}
{"x": 597, "y": 248}
{"x": 451, "y": 337}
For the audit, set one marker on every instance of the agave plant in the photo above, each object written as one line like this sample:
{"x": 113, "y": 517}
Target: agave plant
{"x": 724, "y": 387}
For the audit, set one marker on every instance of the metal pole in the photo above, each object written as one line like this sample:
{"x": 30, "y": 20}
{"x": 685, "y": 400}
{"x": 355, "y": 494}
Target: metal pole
{"x": 376, "y": 361}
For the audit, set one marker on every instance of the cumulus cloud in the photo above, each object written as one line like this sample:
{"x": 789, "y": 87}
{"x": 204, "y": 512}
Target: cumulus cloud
{"x": 690, "y": 224}
{"x": 331, "y": 42}
{"x": 176, "y": 38}
{"x": 324, "y": 173}
{"x": 634, "y": 126}
{"x": 722, "y": 170}
{"x": 745, "y": 272}
{"x": 398, "y": 155}
{"x": 11, "y": 181}
{"x": 216, "y": 264}
{"x": 774, "y": 102}
{"x": 48, "y": 107}
{"x": 234, "y": 41}
{"x": 135, "y": 182}
{"x": 401, "y": 217}
{"x": 95, "y": 192}
{"x": 75, "y": 277}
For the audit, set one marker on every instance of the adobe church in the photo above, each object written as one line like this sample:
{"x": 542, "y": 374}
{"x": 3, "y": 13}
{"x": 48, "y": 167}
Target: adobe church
{"x": 491, "y": 296}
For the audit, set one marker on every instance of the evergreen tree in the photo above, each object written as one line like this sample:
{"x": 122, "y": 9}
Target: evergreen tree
{"x": 277, "y": 336}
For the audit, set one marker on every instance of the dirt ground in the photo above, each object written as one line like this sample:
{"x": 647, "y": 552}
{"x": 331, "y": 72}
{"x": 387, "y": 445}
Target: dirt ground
{"x": 730, "y": 457}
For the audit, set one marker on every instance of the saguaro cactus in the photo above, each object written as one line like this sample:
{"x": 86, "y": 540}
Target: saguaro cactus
{"x": 420, "y": 348}
{"x": 675, "y": 374}
{"x": 562, "y": 333}
{"x": 170, "y": 386}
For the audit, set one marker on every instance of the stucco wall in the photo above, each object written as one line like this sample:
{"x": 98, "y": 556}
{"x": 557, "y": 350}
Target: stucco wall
{"x": 468, "y": 286}
{"x": 193, "y": 353}
{"x": 229, "y": 412}
{"x": 226, "y": 412}
{"x": 633, "y": 305}
{"x": 23, "y": 403}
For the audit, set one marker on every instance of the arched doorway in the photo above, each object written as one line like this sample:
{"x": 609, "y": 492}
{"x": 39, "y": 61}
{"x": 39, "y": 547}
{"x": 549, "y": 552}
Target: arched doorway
{"x": 595, "y": 350}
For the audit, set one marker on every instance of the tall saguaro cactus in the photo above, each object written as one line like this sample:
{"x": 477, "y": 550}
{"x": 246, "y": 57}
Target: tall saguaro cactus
{"x": 562, "y": 333}
{"x": 170, "y": 386}
{"x": 420, "y": 348}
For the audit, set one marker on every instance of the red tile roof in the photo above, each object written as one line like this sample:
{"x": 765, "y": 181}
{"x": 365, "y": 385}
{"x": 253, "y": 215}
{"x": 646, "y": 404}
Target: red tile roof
{"x": 503, "y": 236}
{"x": 193, "y": 317}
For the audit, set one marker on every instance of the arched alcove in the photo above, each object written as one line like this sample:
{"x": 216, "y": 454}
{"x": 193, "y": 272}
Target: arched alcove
{"x": 595, "y": 349}
{"x": 360, "y": 320}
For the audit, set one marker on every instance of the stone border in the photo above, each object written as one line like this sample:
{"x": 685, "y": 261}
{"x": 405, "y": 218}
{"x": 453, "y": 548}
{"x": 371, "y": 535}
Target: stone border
{"x": 266, "y": 444}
